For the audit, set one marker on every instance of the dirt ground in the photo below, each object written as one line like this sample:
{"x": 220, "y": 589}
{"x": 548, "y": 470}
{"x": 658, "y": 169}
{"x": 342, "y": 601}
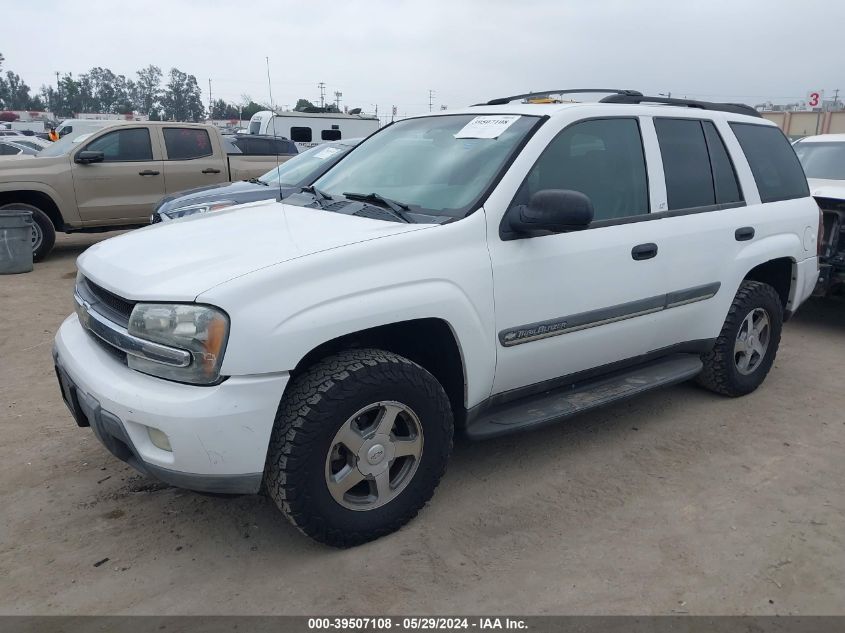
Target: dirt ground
{"x": 677, "y": 502}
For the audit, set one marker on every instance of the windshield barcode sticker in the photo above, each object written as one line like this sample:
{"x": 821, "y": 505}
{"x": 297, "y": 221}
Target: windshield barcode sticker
{"x": 487, "y": 126}
{"x": 326, "y": 153}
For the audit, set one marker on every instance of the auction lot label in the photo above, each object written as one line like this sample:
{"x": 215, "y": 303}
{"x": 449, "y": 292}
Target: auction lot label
{"x": 487, "y": 126}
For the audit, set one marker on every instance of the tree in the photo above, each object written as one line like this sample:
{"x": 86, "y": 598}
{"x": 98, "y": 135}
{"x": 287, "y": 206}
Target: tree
{"x": 147, "y": 90}
{"x": 14, "y": 93}
{"x": 302, "y": 104}
{"x": 250, "y": 108}
{"x": 222, "y": 110}
{"x": 182, "y": 99}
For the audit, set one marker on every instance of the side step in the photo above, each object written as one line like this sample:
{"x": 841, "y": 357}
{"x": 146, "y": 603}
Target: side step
{"x": 559, "y": 404}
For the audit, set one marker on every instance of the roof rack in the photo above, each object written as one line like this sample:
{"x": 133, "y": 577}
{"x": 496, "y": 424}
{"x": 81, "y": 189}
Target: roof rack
{"x": 545, "y": 93}
{"x": 735, "y": 108}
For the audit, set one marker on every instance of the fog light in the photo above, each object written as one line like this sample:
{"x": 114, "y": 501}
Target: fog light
{"x": 159, "y": 439}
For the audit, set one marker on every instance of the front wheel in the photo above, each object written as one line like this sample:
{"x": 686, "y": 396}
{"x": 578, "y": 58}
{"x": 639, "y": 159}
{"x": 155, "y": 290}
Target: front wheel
{"x": 43, "y": 231}
{"x": 359, "y": 445}
{"x": 747, "y": 345}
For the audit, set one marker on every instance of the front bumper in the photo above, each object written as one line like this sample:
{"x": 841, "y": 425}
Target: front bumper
{"x": 218, "y": 435}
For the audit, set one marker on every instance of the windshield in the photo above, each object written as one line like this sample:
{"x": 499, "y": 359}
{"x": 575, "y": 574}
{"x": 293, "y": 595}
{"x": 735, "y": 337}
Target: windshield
{"x": 304, "y": 167}
{"x": 65, "y": 144}
{"x": 438, "y": 165}
{"x": 822, "y": 160}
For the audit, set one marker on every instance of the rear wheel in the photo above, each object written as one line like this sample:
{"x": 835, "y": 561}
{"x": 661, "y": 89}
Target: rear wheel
{"x": 43, "y": 231}
{"x": 746, "y": 347}
{"x": 360, "y": 443}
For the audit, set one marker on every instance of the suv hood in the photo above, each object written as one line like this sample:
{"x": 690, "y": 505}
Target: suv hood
{"x": 180, "y": 260}
{"x": 820, "y": 188}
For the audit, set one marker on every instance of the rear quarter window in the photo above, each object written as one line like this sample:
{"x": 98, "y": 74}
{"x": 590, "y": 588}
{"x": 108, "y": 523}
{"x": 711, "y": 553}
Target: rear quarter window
{"x": 773, "y": 162}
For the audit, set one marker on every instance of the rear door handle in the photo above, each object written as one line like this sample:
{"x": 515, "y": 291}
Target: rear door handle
{"x": 644, "y": 251}
{"x": 744, "y": 234}
{"x": 210, "y": 170}
{"x": 148, "y": 172}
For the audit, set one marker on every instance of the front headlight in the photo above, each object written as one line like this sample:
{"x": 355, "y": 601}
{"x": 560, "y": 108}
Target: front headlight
{"x": 193, "y": 209}
{"x": 200, "y": 330}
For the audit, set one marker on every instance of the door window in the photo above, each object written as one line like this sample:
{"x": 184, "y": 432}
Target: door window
{"x": 123, "y": 146}
{"x": 696, "y": 165}
{"x": 601, "y": 158}
{"x": 186, "y": 143}
{"x": 773, "y": 162}
{"x": 330, "y": 135}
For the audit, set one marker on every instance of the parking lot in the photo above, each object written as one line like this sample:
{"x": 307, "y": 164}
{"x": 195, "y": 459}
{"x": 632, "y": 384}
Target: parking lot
{"x": 677, "y": 502}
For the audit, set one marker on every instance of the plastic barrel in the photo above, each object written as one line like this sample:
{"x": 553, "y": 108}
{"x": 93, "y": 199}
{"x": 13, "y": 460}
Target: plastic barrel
{"x": 15, "y": 241}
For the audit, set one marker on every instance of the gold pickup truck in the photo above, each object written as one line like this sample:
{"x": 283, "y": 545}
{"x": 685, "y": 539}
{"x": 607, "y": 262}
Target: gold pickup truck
{"x": 113, "y": 178}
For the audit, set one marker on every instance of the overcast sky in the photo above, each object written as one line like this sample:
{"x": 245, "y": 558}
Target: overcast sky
{"x": 390, "y": 52}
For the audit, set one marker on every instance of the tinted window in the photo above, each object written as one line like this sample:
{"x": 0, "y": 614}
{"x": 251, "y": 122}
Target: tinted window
{"x": 186, "y": 143}
{"x": 724, "y": 176}
{"x": 123, "y": 145}
{"x": 8, "y": 150}
{"x": 602, "y": 159}
{"x": 686, "y": 164}
{"x": 330, "y": 135}
{"x": 822, "y": 160}
{"x": 773, "y": 162}
{"x": 300, "y": 134}
{"x": 284, "y": 146}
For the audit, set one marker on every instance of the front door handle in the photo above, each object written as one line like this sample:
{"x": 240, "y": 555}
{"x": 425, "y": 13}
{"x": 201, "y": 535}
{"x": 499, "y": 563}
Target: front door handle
{"x": 644, "y": 251}
{"x": 210, "y": 170}
{"x": 148, "y": 172}
{"x": 744, "y": 234}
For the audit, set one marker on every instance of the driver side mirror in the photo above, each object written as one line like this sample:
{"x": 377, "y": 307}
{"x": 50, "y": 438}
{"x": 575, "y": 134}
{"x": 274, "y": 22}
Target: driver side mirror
{"x": 551, "y": 211}
{"x": 86, "y": 157}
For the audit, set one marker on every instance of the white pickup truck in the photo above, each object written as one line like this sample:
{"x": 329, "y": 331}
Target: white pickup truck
{"x": 485, "y": 271}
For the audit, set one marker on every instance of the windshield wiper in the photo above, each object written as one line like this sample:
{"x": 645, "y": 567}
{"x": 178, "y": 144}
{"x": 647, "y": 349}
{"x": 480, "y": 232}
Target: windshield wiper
{"x": 398, "y": 208}
{"x": 313, "y": 190}
{"x": 257, "y": 181}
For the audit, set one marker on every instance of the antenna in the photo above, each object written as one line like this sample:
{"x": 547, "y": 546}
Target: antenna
{"x": 273, "y": 124}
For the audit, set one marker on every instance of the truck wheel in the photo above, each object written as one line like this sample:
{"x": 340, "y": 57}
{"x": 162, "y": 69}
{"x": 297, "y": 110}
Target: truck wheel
{"x": 360, "y": 442}
{"x": 746, "y": 347}
{"x": 43, "y": 231}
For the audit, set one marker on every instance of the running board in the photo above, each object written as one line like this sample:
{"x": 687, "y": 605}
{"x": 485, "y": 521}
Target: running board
{"x": 559, "y": 404}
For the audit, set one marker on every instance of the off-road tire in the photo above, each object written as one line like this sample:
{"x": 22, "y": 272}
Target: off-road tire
{"x": 315, "y": 405}
{"x": 720, "y": 372}
{"x": 43, "y": 224}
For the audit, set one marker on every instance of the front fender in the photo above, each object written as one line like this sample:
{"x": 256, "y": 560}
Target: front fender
{"x": 69, "y": 212}
{"x": 281, "y": 313}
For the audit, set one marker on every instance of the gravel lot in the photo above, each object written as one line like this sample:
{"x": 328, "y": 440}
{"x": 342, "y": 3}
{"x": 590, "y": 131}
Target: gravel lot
{"x": 677, "y": 502}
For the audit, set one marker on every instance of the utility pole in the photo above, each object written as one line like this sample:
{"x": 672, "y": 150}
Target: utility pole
{"x": 322, "y": 87}
{"x": 210, "y": 109}
{"x": 337, "y": 95}
{"x": 835, "y": 98}
{"x": 430, "y": 99}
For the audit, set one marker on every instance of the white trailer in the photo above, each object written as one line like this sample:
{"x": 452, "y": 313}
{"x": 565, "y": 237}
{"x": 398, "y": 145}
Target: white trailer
{"x": 308, "y": 129}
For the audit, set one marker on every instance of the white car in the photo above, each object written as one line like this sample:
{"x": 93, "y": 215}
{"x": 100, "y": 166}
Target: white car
{"x": 14, "y": 146}
{"x": 486, "y": 270}
{"x": 823, "y": 159}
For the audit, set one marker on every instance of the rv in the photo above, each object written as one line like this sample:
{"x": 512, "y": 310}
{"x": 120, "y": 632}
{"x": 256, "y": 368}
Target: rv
{"x": 308, "y": 129}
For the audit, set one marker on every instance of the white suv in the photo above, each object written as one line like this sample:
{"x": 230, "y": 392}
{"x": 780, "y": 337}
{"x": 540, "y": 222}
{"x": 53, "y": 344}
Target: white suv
{"x": 487, "y": 270}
